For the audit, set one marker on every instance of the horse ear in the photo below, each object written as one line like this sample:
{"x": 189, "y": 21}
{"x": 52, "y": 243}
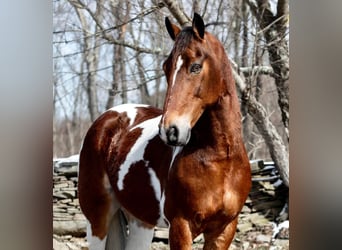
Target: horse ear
{"x": 198, "y": 25}
{"x": 172, "y": 29}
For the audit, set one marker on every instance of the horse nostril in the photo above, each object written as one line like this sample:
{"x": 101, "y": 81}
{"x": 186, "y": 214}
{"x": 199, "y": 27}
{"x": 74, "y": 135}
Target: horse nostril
{"x": 172, "y": 134}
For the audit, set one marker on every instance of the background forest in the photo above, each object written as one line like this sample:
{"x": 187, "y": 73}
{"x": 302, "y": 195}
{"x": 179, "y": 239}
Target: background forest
{"x": 110, "y": 52}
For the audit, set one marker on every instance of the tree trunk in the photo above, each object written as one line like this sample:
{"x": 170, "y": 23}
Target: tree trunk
{"x": 274, "y": 29}
{"x": 268, "y": 131}
{"x": 90, "y": 58}
{"x": 177, "y": 12}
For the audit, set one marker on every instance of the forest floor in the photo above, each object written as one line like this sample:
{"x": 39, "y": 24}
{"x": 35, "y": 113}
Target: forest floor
{"x": 254, "y": 232}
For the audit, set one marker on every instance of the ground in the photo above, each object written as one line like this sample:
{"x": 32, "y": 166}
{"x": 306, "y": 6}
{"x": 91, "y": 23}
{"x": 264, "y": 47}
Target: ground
{"x": 249, "y": 236}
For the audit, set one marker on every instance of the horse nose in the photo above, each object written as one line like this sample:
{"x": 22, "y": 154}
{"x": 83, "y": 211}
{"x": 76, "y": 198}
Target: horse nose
{"x": 175, "y": 134}
{"x": 172, "y": 135}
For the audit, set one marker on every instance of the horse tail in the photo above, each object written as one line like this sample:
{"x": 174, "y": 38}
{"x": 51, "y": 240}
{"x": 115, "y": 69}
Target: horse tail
{"x": 117, "y": 232}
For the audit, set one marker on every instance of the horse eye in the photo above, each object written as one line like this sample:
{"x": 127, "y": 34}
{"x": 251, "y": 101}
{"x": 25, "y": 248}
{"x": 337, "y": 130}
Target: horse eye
{"x": 195, "y": 68}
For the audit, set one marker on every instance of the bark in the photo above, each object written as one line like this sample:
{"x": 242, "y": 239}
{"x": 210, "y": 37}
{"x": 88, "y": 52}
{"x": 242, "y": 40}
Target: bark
{"x": 274, "y": 30}
{"x": 145, "y": 95}
{"x": 158, "y": 97}
{"x": 91, "y": 49}
{"x": 120, "y": 67}
{"x": 114, "y": 85}
{"x": 237, "y": 37}
{"x": 196, "y": 6}
{"x": 177, "y": 12}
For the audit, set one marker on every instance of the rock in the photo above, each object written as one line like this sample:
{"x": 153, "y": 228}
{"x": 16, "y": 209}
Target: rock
{"x": 66, "y": 201}
{"x": 159, "y": 246}
{"x": 263, "y": 238}
{"x": 75, "y": 228}
{"x": 280, "y": 244}
{"x": 244, "y": 227}
{"x": 72, "y": 210}
{"x": 67, "y": 170}
{"x": 72, "y": 246}
{"x": 256, "y": 165}
{"x": 245, "y": 245}
{"x": 245, "y": 209}
{"x": 284, "y": 233}
{"x": 79, "y": 217}
{"x": 66, "y": 194}
{"x": 56, "y": 245}
{"x": 161, "y": 233}
{"x": 62, "y": 215}
{"x": 75, "y": 202}
{"x": 61, "y": 185}
{"x": 258, "y": 219}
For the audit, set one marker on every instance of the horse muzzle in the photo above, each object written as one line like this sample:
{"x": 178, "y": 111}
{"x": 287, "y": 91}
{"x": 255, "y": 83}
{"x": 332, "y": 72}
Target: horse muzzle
{"x": 176, "y": 134}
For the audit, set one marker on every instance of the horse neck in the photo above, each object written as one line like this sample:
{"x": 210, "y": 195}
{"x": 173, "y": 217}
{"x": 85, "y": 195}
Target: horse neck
{"x": 225, "y": 120}
{"x": 222, "y": 121}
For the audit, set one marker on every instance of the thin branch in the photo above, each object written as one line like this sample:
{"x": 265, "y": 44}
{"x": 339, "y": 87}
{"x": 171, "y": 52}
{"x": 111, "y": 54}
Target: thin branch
{"x": 265, "y": 70}
{"x": 217, "y": 23}
{"x": 271, "y": 24}
{"x": 150, "y": 79}
{"x": 104, "y": 31}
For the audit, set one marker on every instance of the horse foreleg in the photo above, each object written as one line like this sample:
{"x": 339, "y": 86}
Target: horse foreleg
{"x": 180, "y": 237}
{"x": 98, "y": 225}
{"x": 221, "y": 241}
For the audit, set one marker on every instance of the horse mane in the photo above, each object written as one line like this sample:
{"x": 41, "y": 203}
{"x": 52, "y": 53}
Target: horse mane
{"x": 183, "y": 40}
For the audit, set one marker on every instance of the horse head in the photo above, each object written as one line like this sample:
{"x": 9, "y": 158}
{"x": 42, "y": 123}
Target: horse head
{"x": 194, "y": 76}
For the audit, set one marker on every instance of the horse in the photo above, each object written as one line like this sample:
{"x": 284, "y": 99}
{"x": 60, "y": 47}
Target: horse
{"x": 184, "y": 167}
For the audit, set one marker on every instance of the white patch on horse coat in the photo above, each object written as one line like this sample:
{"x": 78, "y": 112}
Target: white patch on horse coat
{"x": 184, "y": 128}
{"x": 155, "y": 183}
{"x": 95, "y": 243}
{"x": 162, "y": 221}
{"x": 175, "y": 152}
{"x": 139, "y": 237}
{"x": 149, "y": 130}
{"x": 163, "y": 132}
{"x": 179, "y": 64}
{"x": 129, "y": 109}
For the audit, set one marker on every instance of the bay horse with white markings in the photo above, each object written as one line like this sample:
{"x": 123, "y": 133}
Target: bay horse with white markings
{"x": 184, "y": 167}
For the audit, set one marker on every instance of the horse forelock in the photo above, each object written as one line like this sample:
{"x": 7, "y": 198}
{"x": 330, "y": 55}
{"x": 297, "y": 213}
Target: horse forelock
{"x": 182, "y": 41}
